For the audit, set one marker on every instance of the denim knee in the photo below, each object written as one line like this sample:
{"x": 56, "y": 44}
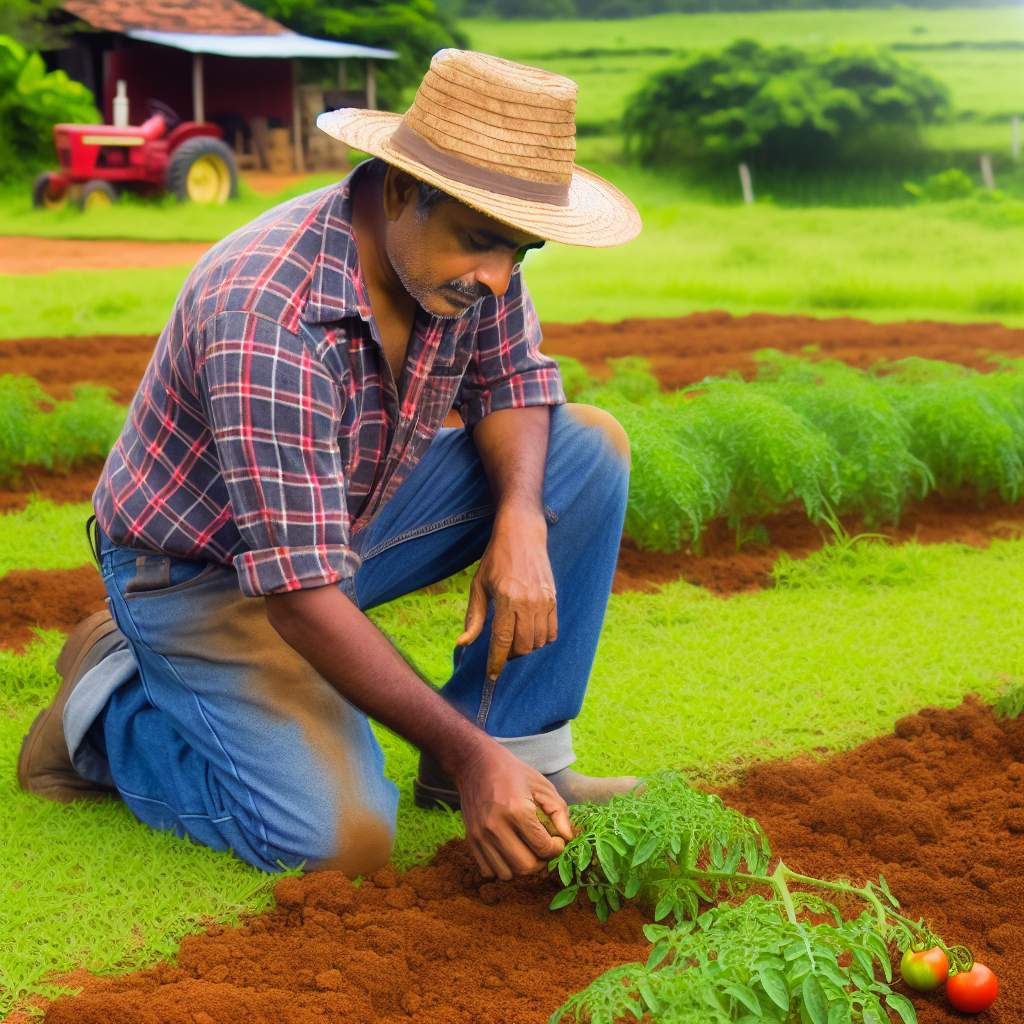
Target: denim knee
{"x": 605, "y": 432}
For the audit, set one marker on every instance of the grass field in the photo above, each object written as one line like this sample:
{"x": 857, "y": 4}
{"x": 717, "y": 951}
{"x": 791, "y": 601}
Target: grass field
{"x": 951, "y": 261}
{"x": 90, "y": 886}
{"x": 610, "y": 59}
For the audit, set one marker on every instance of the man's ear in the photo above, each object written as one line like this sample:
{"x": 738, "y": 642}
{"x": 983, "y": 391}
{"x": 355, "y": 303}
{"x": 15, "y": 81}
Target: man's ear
{"x": 399, "y": 190}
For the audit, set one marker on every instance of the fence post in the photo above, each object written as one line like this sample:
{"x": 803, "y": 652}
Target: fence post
{"x": 987, "y": 177}
{"x": 746, "y": 184}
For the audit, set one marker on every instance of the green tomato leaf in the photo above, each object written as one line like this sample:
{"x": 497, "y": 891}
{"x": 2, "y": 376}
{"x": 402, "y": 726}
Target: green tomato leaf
{"x": 583, "y": 857}
{"x": 564, "y": 870}
{"x": 839, "y": 1013}
{"x": 664, "y": 907}
{"x": 903, "y": 1006}
{"x": 774, "y": 985}
{"x": 746, "y": 995}
{"x": 632, "y": 886}
{"x": 564, "y": 898}
{"x": 814, "y": 1000}
{"x": 644, "y": 851}
{"x": 658, "y": 953}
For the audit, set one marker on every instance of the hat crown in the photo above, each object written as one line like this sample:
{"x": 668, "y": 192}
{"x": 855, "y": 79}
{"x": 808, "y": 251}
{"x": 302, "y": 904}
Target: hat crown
{"x": 497, "y": 115}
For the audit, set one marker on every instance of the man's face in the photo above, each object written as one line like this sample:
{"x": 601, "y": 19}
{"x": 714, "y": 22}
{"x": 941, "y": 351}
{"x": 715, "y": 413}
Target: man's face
{"x": 449, "y": 256}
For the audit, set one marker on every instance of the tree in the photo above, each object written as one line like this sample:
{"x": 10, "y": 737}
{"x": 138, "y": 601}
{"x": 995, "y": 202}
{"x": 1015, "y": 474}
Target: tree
{"x": 32, "y": 101}
{"x": 780, "y": 106}
{"x": 415, "y": 29}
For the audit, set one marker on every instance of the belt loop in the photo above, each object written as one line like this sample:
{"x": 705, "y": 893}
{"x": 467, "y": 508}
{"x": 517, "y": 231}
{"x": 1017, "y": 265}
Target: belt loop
{"x": 92, "y": 535}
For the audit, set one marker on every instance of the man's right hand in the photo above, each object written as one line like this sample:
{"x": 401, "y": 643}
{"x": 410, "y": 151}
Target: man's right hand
{"x": 500, "y": 797}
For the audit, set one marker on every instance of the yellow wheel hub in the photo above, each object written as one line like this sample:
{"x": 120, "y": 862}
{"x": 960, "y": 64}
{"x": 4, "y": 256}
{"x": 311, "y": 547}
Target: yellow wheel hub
{"x": 54, "y": 202}
{"x": 208, "y": 180}
{"x": 97, "y": 200}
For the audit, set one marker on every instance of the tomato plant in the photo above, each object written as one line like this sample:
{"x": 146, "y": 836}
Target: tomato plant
{"x": 974, "y": 990}
{"x": 781, "y": 954}
{"x": 924, "y": 969}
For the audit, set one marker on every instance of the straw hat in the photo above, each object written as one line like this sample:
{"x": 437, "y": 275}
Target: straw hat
{"x": 501, "y": 138}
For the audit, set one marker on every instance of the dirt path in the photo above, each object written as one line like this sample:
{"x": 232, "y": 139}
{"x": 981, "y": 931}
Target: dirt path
{"x": 29, "y": 255}
{"x": 934, "y": 807}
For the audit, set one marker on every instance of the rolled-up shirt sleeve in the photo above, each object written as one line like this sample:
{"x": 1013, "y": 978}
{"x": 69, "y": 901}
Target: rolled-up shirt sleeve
{"x": 274, "y": 412}
{"x": 507, "y": 369}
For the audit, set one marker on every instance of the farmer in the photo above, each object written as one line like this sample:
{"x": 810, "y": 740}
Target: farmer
{"x": 283, "y": 468}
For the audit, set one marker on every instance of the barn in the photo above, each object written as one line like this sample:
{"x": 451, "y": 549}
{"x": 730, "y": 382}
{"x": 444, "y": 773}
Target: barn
{"x": 216, "y": 61}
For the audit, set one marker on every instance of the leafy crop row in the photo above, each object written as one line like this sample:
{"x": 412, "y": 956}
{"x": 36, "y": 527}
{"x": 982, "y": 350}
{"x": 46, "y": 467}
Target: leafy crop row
{"x": 37, "y": 431}
{"x": 784, "y": 953}
{"x": 824, "y": 434}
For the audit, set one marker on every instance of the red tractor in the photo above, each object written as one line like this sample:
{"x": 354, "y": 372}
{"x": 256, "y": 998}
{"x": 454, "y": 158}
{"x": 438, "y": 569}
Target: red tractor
{"x": 164, "y": 153}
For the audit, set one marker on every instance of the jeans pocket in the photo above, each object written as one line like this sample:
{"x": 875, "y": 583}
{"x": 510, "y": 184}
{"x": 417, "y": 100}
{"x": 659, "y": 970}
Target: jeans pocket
{"x": 156, "y": 574}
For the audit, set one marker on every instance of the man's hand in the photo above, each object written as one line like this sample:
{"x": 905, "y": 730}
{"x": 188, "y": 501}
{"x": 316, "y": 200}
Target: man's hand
{"x": 500, "y": 796}
{"x": 514, "y": 573}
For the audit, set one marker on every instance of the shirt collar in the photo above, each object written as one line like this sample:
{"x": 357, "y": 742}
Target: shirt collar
{"x": 336, "y": 287}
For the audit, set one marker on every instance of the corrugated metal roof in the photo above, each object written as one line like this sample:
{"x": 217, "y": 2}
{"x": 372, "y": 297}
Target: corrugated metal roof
{"x": 283, "y": 44}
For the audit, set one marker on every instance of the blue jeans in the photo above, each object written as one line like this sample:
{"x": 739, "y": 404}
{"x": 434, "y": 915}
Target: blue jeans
{"x": 210, "y": 726}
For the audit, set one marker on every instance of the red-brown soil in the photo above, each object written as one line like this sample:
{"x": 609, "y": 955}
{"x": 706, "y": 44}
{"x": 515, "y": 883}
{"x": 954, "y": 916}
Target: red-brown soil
{"x": 722, "y": 569}
{"x": 937, "y": 808}
{"x": 60, "y": 488}
{"x": 48, "y": 598}
{"x": 682, "y": 350}
{"x": 27, "y": 255}
{"x": 690, "y": 348}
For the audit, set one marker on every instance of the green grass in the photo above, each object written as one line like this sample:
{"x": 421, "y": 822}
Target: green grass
{"x": 163, "y": 220}
{"x": 823, "y": 664}
{"x": 949, "y": 261}
{"x": 44, "y": 536}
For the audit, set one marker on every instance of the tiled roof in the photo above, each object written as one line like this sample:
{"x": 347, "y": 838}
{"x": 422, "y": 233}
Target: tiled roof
{"x": 215, "y": 17}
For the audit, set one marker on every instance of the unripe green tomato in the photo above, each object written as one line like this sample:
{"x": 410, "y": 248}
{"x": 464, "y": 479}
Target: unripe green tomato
{"x": 924, "y": 969}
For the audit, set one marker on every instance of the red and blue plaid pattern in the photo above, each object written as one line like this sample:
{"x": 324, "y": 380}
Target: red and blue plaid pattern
{"x": 267, "y": 430}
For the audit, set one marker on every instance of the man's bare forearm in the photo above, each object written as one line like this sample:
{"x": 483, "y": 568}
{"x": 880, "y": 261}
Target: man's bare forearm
{"x": 513, "y": 446}
{"x": 348, "y": 650}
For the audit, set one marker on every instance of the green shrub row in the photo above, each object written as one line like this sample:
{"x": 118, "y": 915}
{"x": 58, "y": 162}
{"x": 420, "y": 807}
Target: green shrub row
{"x": 37, "y": 431}
{"x": 820, "y": 433}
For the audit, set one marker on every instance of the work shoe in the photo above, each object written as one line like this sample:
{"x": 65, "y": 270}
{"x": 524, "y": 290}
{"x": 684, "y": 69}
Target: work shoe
{"x": 44, "y": 764}
{"x": 433, "y": 790}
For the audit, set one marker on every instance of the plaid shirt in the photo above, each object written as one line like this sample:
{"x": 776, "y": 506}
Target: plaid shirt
{"x": 267, "y": 431}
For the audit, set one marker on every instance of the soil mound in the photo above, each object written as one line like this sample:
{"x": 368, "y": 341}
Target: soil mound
{"x": 435, "y": 945}
{"x": 49, "y": 598}
{"x": 938, "y": 809}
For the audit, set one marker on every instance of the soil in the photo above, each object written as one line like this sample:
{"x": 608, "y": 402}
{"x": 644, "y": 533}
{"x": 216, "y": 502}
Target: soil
{"x": 46, "y": 598}
{"x": 687, "y": 349}
{"x": 936, "y": 807}
{"x": 720, "y": 568}
{"x": 27, "y": 255}
{"x": 60, "y": 488}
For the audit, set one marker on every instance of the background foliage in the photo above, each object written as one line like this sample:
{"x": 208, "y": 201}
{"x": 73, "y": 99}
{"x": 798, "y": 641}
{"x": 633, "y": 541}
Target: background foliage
{"x": 32, "y": 101}
{"x": 782, "y": 106}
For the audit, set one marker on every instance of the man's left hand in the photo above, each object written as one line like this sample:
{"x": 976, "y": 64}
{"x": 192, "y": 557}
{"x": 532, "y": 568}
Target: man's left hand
{"x": 514, "y": 573}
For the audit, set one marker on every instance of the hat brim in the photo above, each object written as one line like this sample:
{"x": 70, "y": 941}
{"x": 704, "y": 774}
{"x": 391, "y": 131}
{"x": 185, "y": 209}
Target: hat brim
{"x": 597, "y": 213}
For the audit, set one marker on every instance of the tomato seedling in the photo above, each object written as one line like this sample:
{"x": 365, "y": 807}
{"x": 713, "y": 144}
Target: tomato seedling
{"x": 924, "y": 969}
{"x": 974, "y": 990}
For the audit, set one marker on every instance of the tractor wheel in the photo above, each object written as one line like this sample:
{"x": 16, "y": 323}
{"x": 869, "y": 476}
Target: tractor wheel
{"x": 47, "y": 196}
{"x": 203, "y": 170}
{"x": 97, "y": 194}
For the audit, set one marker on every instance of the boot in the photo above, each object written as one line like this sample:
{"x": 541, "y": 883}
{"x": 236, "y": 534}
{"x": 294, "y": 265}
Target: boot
{"x": 433, "y": 790}
{"x": 44, "y": 764}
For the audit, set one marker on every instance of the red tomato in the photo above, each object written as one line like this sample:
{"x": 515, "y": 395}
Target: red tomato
{"x": 973, "y": 991}
{"x": 924, "y": 969}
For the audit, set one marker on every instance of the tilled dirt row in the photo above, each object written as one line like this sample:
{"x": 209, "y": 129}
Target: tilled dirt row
{"x": 681, "y": 350}
{"x": 936, "y": 807}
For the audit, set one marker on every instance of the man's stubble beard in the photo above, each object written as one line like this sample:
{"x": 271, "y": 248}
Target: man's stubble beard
{"x": 420, "y": 292}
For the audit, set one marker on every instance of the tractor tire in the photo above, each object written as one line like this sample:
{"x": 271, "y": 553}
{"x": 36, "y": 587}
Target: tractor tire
{"x": 203, "y": 170}
{"x": 44, "y": 197}
{"x": 96, "y": 194}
